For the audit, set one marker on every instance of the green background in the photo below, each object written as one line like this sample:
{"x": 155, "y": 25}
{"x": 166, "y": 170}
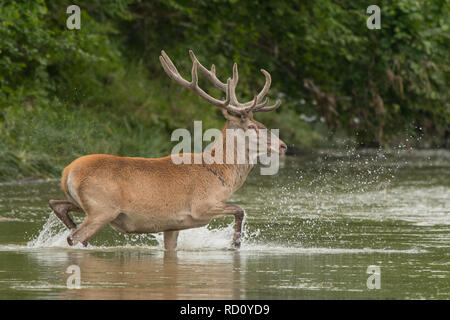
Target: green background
{"x": 101, "y": 89}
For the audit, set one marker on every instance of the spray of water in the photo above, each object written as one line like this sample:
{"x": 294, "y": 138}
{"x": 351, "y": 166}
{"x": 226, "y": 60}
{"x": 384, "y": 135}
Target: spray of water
{"x": 54, "y": 234}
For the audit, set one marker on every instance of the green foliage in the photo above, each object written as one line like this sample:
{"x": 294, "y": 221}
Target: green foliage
{"x": 101, "y": 89}
{"x": 41, "y": 140}
{"x": 373, "y": 84}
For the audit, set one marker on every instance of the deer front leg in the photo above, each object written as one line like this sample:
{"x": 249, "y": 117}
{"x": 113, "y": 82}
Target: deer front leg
{"x": 224, "y": 209}
{"x": 238, "y": 219}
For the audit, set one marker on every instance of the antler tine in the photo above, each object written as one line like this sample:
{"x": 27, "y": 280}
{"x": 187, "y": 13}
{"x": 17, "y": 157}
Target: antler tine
{"x": 265, "y": 89}
{"x": 230, "y": 103}
{"x": 230, "y": 87}
{"x": 234, "y": 82}
{"x": 235, "y": 106}
{"x": 194, "y": 75}
{"x": 173, "y": 73}
{"x": 168, "y": 62}
{"x": 261, "y": 107}
{"x": 270, "y": 108}
{"x": 211, "y": 75}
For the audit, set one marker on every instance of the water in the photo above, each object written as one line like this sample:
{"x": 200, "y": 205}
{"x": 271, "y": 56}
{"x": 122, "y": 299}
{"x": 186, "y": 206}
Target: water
{"x": 311, "y": 232}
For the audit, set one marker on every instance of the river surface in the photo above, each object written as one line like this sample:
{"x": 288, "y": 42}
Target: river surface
{"x": 313, "y": 231}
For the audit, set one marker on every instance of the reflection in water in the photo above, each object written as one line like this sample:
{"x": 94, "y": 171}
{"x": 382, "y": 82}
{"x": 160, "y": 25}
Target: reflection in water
{"x": 137, "y": 274}
{"x": 219, "y": 274}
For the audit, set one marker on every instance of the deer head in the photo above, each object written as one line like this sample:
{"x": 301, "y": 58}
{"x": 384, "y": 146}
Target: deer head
{"x": 238, "y": 115}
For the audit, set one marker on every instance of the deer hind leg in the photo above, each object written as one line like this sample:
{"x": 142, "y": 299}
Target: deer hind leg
{"x": 88, "y": 228}
{"x": 61, "y": 208}
{"x": 170, "y": 240}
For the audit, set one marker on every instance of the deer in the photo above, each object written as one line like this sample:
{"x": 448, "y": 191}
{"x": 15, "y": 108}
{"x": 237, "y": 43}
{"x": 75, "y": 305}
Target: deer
{"x": 153, "y": 195}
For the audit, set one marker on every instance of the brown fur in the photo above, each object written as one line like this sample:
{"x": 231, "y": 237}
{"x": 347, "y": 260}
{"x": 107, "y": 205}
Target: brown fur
{"x": 141, "y": 195}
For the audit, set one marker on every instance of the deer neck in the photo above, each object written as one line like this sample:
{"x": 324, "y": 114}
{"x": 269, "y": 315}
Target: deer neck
{"x": 232, "y": 175}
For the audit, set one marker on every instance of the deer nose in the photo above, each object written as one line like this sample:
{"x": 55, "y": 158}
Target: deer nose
{"x": 283, "y": 148}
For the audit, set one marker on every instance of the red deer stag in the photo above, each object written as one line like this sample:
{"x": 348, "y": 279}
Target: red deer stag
{"x": 139, "y": 195}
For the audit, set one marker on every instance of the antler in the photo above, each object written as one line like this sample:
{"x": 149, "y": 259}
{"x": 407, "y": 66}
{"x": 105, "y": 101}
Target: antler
{"x": 230, "y": 104}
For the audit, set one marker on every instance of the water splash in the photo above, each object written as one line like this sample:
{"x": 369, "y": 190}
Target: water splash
{"x": 204, "y": 238}
{"x": 53, "y": 234}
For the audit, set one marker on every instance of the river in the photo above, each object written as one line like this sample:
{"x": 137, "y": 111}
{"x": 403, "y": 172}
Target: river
{"x": 315, "y": 230}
